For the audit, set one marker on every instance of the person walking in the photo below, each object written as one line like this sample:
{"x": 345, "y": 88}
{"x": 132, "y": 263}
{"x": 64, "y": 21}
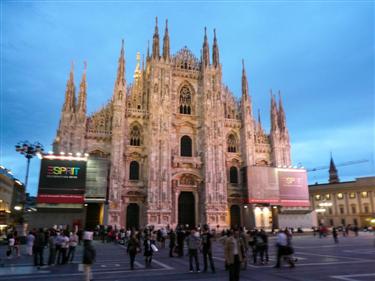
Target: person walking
{"x": 172, "y": 242}
{"x": 193, "y": 242}
{"x": 263, "y": 247}
{"x": 17, "y": 243}
{"x": 59, "y": 240}
{"x": 284, "y": 248}
{"x": 233, "y": 251}
{"x": 65, "y": 247}
{"x": 89, "y": 256}
{"x": 207, "y": 249}
{"x": 73, "y": 242}
{"x": 335, "y": 235}
{"x": 148, "y": 250}
{"x": 132, "y": 249}
{"x": 52, "y": 247}
{"x": 180, "y": 241}
{"x": 39, "y": 244}
{"x": 30, "y": 243}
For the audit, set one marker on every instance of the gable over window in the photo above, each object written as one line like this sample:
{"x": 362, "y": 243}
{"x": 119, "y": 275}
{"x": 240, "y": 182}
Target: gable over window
{"x": 185, "y": 100}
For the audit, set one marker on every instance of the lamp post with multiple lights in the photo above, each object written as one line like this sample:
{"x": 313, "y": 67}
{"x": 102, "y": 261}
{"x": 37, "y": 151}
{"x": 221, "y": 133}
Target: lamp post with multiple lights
{"x": 29, "y": 150}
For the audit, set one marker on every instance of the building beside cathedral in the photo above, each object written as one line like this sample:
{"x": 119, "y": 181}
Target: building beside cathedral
{"x": 175, "y": 146}
{"x": 345, "y": 203}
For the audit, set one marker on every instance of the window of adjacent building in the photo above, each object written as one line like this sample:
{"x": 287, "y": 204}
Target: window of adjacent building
{"x": 233, "y": 175}
{"x": 330, "y": 211}
{"x": 364, "y": 194}
{"x": 354, "y": 209}
{"x": 355, "y": 222}
{"x": 186, "y": 146}
{"x": 367, "y": 209}
{"x": 352, "y": 195}
{"x": 343, "y": 222}
{"x": 317, "y": 197}
{"x": 232, "y": 143}
{"x": 340, "y": 195}
{"x": 328, "y": 196}
{"x": 342, "y": 210}
{"x": 135, "y": 136}
{"x": 134, "y": 170}
{"x": 185, "y": 100}
{"x": 331, "y": 222}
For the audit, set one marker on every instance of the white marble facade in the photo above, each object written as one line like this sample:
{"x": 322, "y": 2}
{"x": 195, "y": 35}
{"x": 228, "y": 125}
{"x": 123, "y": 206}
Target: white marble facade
{"x": 176, "y": 128}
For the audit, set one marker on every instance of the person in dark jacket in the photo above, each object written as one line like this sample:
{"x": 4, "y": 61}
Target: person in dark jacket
{"x": 172, "y": 242}
{"x": 89, "y": 256}
{"x": 180, "y": 241}
{"x": 133, "y": 248}
{"x": 207, "y": 248}
{"x": 38, "y": 250}
{"x": 148, "y": 251}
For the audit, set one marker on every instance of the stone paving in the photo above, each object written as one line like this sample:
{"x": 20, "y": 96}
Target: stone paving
{"x": 353, "y": 259}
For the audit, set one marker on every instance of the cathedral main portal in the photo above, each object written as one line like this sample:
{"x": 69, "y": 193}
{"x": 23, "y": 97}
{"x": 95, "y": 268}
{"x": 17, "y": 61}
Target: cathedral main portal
{"x": 186, "y": 209}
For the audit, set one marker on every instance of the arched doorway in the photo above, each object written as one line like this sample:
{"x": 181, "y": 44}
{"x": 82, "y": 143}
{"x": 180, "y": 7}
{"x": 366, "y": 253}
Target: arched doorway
{"x": 132, "y": 216}
{"x": 235, "y": 216}
{"x": 186, "y": 208}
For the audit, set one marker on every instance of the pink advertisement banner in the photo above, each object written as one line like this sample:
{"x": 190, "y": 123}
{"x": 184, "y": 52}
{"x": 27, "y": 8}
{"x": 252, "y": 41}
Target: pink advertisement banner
{"x": 278, "y": 186}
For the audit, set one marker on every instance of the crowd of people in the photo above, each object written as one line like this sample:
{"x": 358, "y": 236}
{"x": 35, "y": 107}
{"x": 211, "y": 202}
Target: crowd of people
{"x": 240, "y": 246}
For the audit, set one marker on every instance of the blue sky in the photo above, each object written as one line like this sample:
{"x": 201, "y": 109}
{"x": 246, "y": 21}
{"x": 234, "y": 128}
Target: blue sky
{"x": 319, "y": 54}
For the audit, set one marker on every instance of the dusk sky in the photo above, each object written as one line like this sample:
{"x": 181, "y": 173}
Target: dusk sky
{"x": 319, "y": 54}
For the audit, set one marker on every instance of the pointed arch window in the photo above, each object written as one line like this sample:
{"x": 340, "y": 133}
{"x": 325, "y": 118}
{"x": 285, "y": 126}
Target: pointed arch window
{"x": 135, "y": 136}
{"x": 185, "y": 100}
{"x": 134, "y": 170}
{"x": 233, "y": 175}
{"x": 232, "y": 143}
{"x": 186, "y": 146}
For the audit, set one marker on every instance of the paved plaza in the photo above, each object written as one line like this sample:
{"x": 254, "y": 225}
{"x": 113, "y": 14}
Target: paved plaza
{"x": 353, "y": 259}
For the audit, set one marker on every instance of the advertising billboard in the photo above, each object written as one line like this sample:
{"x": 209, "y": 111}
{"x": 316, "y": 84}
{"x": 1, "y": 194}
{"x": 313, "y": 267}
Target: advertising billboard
{"x": 293, "y": 187}
{"x": 262, "y": 185}
{"x": 62, "y": 181}
{"x": 277, "y": 186}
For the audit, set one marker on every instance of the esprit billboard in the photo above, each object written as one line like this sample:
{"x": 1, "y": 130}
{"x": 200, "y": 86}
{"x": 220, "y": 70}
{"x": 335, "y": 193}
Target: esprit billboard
{"x": 62, "y": 181}
{"x": 293, "y": 187}
{"x": 277, "y": 186}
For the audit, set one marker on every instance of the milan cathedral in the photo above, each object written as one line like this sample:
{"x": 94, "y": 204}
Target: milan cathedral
{"x": 178, "y": 141}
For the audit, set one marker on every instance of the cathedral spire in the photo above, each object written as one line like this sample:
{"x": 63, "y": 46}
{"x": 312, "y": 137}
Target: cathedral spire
{"x": 274, "y": 114}
{"x": 148, "y": 50}
{"x": 333, "y": 175}
{"x": 245, "y": 86}
{"x": 155, "y": 42}
{"x": 246, "y": 99}
{"x": 70, "y": 99}
{"x": 215, "y": 52}
{"x": 120, "y": 80}
{"x": 281, "y": 115}
{"x": 166, "y": 45}
{"x": 206, "y": 50}
{"x": 259, "y": 120}
{"x": 81, "y": 106}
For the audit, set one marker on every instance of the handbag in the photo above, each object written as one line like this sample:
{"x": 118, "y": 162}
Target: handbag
{"x": 154, "y": 248}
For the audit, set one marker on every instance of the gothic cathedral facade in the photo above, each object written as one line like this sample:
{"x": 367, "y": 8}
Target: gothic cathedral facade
{"x": 177, "y": 139}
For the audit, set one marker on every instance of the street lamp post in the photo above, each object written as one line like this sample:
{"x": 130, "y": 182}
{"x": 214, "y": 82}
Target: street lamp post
{"x": 29, "y": 150}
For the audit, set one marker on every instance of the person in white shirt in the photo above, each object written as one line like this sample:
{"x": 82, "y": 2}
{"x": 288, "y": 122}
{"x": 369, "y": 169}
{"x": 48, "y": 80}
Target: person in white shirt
{"x": 73, "y": 242}
{"x": 284, "y": 248}
{"x": 30, "y": 243}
